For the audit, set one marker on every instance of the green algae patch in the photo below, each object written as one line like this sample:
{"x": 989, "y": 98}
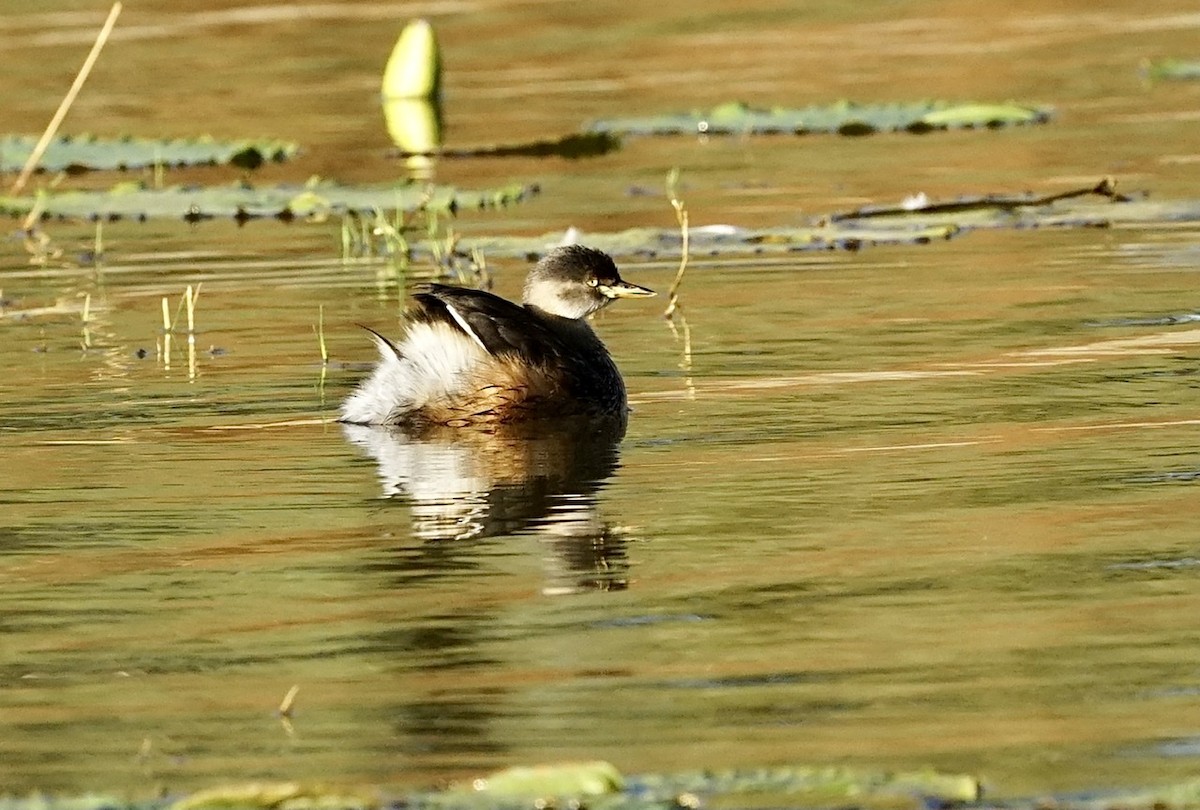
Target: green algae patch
{"x": 315, "y": 200}
{"x": 90, "y": 153}
{"x": 843, "y": 118}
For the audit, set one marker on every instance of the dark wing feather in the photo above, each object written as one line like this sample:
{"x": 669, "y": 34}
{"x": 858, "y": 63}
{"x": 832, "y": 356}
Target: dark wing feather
{"x": 383, "y": 341}
{"x": 502, "y": 327}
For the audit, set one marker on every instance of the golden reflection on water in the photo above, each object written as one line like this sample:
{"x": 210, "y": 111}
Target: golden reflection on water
{"x": 911, "y": 506}
{"x": 464, "y": 485}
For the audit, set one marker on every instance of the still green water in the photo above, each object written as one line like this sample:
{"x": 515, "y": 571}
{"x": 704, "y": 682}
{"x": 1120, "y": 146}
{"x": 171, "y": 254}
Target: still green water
{"x": 904, "y": 507}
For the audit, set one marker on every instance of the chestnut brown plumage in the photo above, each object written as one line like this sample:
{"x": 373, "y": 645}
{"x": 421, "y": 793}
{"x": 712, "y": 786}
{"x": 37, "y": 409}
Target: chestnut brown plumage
{"x": 473, "y": 358}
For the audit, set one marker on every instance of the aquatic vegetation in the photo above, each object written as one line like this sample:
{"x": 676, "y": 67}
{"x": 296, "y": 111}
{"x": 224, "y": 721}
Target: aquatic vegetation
{"x": 708, "y": 240}
{"x": 414, "y": 70}
{"x": 368, "y": 228}
{"x": 271, "y": 795}
{"x": 916, "y": 220}
{"x": 681, "y": 216}
{"x": 600, "y": 786}
{"x": 920, "y": 209}
{"x": 34, "y": 157}
{"x": 81, "y": 153}
{"x": 1172, "y": 69}
{"x": 315, "y": 200}
{"x": 842, "y": 118}
{"x": 604, "y": 136}
{"x": 549, "y": 781}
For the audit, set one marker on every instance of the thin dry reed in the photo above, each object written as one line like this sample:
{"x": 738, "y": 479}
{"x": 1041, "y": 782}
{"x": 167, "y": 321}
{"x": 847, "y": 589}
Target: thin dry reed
{"x": 52, "y": 128}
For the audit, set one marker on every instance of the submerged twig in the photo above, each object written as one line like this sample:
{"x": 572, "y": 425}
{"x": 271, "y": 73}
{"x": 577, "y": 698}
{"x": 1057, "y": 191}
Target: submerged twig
{"x": 36, "y": 155}
{"x": 1001, "y": 202}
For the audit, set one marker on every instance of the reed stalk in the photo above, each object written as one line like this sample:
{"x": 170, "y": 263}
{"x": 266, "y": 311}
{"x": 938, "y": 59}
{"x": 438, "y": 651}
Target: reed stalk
{"x": 289, "y": 701}
{"x": 681, "y": 216}
{"x": 321, "y": 334}
{"x": 166, "y": 341}
{"x": 52, "y": 128}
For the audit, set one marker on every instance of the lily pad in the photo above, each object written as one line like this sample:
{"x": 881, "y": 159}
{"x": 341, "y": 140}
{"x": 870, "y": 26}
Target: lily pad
{"x": 821, "y": 784}
{"x": 1173, "y": 69}
{"x": 87, "y": 153}
{"x": 547, "y": 782}
{"x": 843, "y": 118}
{"x": 274, "y": 796}
{"x": 315, "y": 200}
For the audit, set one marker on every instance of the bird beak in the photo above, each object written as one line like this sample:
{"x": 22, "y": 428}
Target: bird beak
{"x": 623, "y": 289}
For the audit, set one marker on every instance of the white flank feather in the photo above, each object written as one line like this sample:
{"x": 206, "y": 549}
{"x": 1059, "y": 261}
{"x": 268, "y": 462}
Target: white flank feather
{"x": 434, "y": 358}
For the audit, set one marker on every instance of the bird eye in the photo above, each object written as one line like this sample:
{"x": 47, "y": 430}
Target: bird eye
{"x": 593, "y": 282}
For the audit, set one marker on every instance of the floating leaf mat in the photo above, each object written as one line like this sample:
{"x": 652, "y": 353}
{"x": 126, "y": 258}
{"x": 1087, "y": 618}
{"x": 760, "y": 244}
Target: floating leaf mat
{"x": 843, "y": 118}
{"x": 86, "y": 152}
{"x": 918, "y": 221}
{"x": 315, "y": 200}
{"x": 599, "y": 786}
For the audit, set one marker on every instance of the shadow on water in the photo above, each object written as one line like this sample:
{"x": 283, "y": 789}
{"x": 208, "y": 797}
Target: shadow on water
{"x": 464, "y": 486}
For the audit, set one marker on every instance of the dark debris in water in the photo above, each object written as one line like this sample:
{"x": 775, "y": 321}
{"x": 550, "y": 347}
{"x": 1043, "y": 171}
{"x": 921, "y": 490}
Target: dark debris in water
{"x": 1170, "y": 477}
{"x": 1153, "y": 565}
{"x": 1157, "y": 320}
{"x": 574, "y": 146}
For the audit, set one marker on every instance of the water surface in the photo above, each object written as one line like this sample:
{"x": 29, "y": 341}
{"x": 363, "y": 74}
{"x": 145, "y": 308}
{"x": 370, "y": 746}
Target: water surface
{"x": 909, "y": 506}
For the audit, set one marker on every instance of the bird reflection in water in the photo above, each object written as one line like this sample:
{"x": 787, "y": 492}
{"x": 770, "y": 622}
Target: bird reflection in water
{"x": 539, "y": 478}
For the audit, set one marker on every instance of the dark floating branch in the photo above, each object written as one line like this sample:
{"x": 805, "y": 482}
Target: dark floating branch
{"x": 991, "y": 202}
